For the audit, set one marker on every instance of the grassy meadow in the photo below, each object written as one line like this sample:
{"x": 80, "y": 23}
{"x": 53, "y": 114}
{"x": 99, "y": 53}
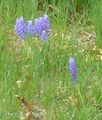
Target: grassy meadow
{"x": 35, "y": 76}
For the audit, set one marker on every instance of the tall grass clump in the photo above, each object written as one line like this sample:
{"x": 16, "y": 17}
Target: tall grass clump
{"x": 37, "y": 39}
{"x": 12, "y": 9}
{"x": 65, "y": 11}
{"x": 97, "y": 21}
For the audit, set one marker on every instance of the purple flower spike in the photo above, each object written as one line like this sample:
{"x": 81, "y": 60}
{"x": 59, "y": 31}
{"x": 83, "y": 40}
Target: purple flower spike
{"x": 73, "y": 69}
{"x": 20, "y": 28}
{"x": 42, "y": 27}
{"x": 38, "y": 26}
{"x": 30, "y": 28}
{"x": 44, "y": 35}
{"x": 45, "y": 23}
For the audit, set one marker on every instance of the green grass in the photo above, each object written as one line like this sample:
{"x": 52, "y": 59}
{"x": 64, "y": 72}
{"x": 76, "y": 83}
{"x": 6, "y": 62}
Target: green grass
{"x": 39, "y": 70}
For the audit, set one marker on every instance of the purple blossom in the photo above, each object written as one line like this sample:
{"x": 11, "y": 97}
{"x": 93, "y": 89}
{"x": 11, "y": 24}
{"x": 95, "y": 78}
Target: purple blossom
{"x": 30, "y": 28}
{"x": 21, "y": 28}
{"x": 73, "y": 69}
{"x": 40, "y": 28}
{"x": 44, "y": 35}
{"x": 45, "y": 24}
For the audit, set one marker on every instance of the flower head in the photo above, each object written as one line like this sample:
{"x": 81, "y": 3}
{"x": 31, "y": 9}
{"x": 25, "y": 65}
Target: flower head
{"x": 30, "y": 28}
{"x": 38, "y": 26}
{"x": 45, "y": 23}
{"x": 73, "y": 69}
{"x": 42, "y": 26}
{"x": 21, "y": 28}
{"x": 44, "y": 35}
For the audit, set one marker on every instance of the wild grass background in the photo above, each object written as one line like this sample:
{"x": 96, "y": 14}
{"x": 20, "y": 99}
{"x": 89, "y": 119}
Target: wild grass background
{"x": 39, "y": 71}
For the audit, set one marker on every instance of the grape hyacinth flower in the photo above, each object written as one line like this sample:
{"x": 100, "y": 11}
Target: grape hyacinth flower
{"x": 30, "y": 28}
{"x": 21, "y": 28}
{"x": 45, "y": 23}
{"x": 44, "y": 35}
{"x": 38, "y": 27}
{"x": 73, "y": 69}
{"x": 42, "y": 26}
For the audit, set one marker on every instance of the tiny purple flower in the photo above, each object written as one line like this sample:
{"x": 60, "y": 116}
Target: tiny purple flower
{"x": 30, "y": 28}
{"x": 73, "y": 69}
{"x": 20, "y": 28}
{"x": 45, "y": 23}
{"x": 44, "y": 35}
{"x": 42, "y": 26}
{"x": 38, "y": 27}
